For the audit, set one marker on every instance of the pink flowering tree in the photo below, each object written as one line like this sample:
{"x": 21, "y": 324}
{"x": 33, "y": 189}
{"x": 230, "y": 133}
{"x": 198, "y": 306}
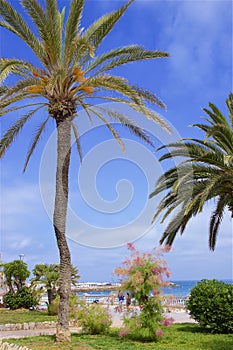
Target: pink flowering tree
{"x": 142, "y": 274}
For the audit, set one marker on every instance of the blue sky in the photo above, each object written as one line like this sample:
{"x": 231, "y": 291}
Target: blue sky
{"x": 109, "y": 192}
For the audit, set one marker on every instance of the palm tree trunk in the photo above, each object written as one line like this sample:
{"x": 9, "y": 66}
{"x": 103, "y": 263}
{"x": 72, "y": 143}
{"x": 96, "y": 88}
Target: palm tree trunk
{"x": 59, "y": 222}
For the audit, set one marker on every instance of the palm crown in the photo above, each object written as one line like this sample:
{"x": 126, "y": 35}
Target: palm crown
{"x": 207, "y": 170}
{"x": 70, "y": 73}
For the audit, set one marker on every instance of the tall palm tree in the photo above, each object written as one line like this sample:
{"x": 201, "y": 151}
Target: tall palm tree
{"x": 206, "y": 173}
{"x": 69, "y": 74}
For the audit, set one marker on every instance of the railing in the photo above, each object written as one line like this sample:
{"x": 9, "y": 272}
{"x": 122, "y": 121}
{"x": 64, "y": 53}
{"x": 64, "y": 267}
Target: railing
{"x": 168, "y": 301}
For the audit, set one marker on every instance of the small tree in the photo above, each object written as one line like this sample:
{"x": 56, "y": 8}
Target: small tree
{"x": 49, "y": 277}
{"x": 16, "y": 273}
{"x": 142, "y": 275}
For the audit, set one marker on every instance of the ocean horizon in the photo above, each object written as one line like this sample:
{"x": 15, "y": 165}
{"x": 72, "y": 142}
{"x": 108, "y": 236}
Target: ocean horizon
{"x": 181, "y": 288}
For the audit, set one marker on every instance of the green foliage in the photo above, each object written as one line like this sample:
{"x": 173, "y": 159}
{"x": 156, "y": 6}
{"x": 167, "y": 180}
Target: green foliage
{"x": 143, "y": 278}
{"x": 73, "y": 304}
{"x": 205, "y": 173}
{"x": 48, "y": 276}
{"x": 211, "y": 305}
{"x": 54, "y": 306}
{"x": 21, "y": 299}
{"x": 16, "y": 273}
{"x": 93, "y": 318}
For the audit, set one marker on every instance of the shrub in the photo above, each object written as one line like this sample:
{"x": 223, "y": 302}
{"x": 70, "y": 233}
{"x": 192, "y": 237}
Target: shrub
{"x": 142, "y": 275}
{"x": 21, "y": 299}
{"x": 53, "y": 308}
{"x": 94, "y": 318}
{"x": 211, "y": 305}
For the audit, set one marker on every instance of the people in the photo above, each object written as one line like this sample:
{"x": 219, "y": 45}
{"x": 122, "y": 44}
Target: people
{"x": 128, "y": 301}
{"x": 121, "y": 299}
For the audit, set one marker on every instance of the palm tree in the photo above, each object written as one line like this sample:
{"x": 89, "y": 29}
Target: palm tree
{"x": 49, "y": 277}
{"x": 206, "y": 173}
{"x": 69, "y": 75}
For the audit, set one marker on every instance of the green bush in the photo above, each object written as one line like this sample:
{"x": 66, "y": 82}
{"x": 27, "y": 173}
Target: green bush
{"x": 211, "y": 305}
{"x": 93, "y": 318}
{"x": 21, "y": 299}
{"x": 54, "y": 307}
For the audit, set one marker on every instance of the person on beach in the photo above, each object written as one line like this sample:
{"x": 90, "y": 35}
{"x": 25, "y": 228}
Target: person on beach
{"x": 121, "y": 299}
{"x": 128, "y": 301}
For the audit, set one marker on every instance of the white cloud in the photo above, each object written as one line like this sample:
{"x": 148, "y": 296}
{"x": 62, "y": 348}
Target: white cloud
{"x": 18, "y": 242}
{"x": 196, "y": 32}
{"x": 19, "y": 199}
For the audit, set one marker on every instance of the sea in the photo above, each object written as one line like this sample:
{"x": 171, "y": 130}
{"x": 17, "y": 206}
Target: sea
{"x": 177, "y": 289}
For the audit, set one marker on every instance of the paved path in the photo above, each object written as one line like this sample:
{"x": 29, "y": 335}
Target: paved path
{"x": 179, "y": 317}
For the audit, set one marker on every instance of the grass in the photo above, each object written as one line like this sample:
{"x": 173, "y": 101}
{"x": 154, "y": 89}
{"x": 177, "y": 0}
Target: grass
{"x": 22, "y": 316}
{"x": 178, "y": 337}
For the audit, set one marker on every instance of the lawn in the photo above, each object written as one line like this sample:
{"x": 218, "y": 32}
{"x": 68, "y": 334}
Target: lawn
{"x": 178, "y": 337}
{"x": 22, "y": 316}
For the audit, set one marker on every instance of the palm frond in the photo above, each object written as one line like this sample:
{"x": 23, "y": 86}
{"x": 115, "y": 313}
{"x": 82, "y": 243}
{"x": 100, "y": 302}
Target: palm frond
{"x": 134, "y": 94}
{"x": 223, "y": 136}
{"x": 35, "y": 142}
{"x": 72, "y": 25}
{"x": 205, "y": 174}
{"x": 77, "y": 141}
{"x": 148, "y": 96}
{"x": 14, "y": 130}
{"x": 7, "y": 101}
{"x": 216, "y": 219}
{"x": 7, "y": 26}
{"x": 21, "y": 85}
{"x": 8, "y": 66}
{"x": 229, "y": 103}
{"x": 99, "y": 29}
{"x": 152, "y": 115}
{"x": 128, "y": 123}
{"x": 125, "y": 58}
{"x": 216, "y": 115}
{"x": 13, "y": 109}
{"x": 172, "y": 229}
{"x": 100, "y": 59}
{"x": 86, "y": 107}
{"x": 109, "y": 126}
{"x": 80, "y": 52}
{"x": 16, "y": 24}
{"x": 37, "y": 14}
{"x": 54, "y": 39}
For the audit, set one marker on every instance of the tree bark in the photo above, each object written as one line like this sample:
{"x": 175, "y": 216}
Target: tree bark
{"x": 59, "y": 222}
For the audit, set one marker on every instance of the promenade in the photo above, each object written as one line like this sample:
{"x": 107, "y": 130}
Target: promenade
{"x": 179, "y": 317}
